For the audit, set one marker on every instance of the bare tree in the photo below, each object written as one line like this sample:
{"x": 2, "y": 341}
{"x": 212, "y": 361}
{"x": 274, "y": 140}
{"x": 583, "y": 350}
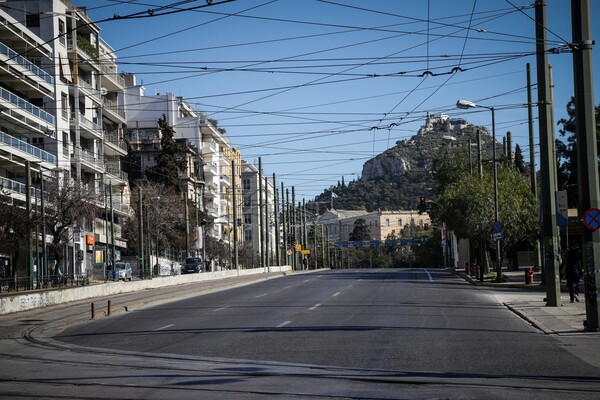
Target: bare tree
{"x": 69, "y": 204}
{"x": 16, "y": 226}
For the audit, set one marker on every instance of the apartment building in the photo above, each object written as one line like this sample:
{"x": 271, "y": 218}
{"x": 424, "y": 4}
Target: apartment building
{"x": 256, "y": 231}
{"x": 27, "y": 124}
{"x": 88, "y": 123}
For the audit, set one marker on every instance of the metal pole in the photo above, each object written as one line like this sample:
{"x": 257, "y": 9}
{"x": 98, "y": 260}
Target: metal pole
{"x": 261, "y": 224}
{"x": 44, "y": 247}
{"x": 236, "y": 263}
{"x": 479, "y": 160}
{"x": 112, "y": 227}
{"x": 547, "y": 162}
{"x": 532, "y": 167}
{"x": 267, "y": 227}
{"x": 276, "y": 220}
{"x": 141, "y": 231}
{"x": 496, "y": 209}
{"x": 284, "y": 216}
{"x": 587, "y": 156}
{"x": 294, "y": 227}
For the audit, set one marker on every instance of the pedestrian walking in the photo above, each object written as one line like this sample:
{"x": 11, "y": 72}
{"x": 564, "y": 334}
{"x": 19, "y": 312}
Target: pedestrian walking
{"x": 573, "y": 272}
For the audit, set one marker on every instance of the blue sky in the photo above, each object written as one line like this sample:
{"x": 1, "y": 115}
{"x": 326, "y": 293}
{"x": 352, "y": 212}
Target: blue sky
{"x": 317, "y": 87}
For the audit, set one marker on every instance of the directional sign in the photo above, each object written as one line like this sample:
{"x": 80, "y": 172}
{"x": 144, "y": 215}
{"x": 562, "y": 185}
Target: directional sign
{"x": 591, "y": 219}
{"x": 497, "y": 236}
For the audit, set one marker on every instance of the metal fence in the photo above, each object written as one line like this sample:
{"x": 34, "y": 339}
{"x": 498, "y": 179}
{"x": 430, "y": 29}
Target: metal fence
{"x": 23, "y": 284}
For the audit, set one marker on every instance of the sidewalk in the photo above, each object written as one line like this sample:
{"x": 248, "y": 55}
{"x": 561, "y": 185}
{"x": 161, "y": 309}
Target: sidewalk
{"x": 528, "y": 301}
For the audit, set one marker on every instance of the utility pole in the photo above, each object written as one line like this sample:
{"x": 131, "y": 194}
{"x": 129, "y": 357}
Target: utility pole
{"x": 260, "y": 215}
{"x": 267, "y": 227}
{"x": 276, "y": 220}
{"x": 284, "y": 224}
{"x": 236, "y": 263}
{"x": 532, "y": 168}
{"x": 141, "y": 231}
{"x": 294, "y": 227}
{"x": 587, "y": 155}
{"x": 547, "y": 162}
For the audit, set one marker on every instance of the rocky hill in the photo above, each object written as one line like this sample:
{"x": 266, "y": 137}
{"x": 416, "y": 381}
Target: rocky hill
{"x": 396, "y": 178}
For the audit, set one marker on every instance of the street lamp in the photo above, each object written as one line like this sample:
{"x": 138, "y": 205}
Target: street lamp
{"x": 465, "y": 105}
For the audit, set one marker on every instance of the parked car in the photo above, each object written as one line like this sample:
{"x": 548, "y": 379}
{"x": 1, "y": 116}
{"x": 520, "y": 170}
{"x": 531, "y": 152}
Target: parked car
{"x": 192, "y": 265}
{"x": 121, "y": 271}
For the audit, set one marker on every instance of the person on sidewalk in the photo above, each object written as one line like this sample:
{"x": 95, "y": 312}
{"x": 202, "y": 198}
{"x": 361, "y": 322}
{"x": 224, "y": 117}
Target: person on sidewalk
{"x": 573, "y": 272}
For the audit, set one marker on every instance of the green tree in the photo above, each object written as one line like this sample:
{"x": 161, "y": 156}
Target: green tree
{"x": 361, "y": 231}
{"x": 519, "y": 161}
{"x": 567, "y": 152}
{"x": 171, "y": 161}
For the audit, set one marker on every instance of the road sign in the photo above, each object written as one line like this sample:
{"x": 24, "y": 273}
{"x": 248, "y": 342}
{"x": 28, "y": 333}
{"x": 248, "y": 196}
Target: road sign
{"x": 497, "y": 227}
{"x": 298, "y": 247}
{"x": 497, "y": 236}
{"x": 305, "y": 252}
{"x": 591, "y": 219}
{"x": 562, "y": 208}
{"x": 289, "y": 252}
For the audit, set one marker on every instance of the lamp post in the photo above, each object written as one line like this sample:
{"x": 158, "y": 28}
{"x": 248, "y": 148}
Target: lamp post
{"x": 465, "y": 105}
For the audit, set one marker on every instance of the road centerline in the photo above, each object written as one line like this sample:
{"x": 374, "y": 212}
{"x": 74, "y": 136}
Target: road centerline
{"x": 314, "y": 307}
{"x": 164, "y": 327}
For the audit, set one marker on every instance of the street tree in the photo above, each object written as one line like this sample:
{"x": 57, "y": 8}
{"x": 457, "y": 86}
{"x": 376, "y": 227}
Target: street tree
{"x": 170, "y": 162}
{"x": 69, "y": 204}
{"x": 16, "y": 226}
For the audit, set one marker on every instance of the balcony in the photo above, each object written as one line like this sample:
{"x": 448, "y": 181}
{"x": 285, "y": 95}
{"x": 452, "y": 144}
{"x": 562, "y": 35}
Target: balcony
{"x": 109, "y": 72}
{"x": 113, "y": 110}
{"x": 14, "y": 187}
{"x": 25, "y": 112}
{"x": 91, "y": 127}
{"x": 25, "y": 147}
{"x": 91, "y": 161}
{"x": 211, "y": 168}
{"x": 91, "y": 92}
{"x": 111, "y": 138}
{"x": 225, "y": 179}
{"x": 114, "y": 168}
{"x": 35, "y": 71}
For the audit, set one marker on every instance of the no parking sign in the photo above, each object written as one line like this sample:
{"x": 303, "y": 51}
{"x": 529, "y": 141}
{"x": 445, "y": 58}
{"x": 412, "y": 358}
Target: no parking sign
{"x": 591, "y": 219}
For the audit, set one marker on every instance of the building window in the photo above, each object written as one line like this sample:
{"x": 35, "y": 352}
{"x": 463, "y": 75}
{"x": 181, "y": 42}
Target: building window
{"x": 64, "y": 104}
{"x": 62, "y": 33}
{"x": 65, "y": 140}
{"x": 247, "y": 218}
{"x": 399, "y": 221}
{"x": 248, "y": 236}
{"x": 246, "y": 183}
{"x": 33, "y": 20}
{"x": 387, "y": 222}
{"x": 247, "y": 201}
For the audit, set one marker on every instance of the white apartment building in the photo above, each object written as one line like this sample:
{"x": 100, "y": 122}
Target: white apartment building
{"x": 88, "y": 120}
{"x": 255, "y": 228}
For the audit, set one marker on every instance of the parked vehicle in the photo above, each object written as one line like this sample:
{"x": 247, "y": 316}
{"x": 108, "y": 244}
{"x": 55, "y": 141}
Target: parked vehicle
{"x": 192, "y": 265}
{"x": 121, "y": 271}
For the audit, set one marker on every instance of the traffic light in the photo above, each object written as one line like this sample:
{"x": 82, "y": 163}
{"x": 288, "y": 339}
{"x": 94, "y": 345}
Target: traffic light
{"x": 426, "y": 226}
{"x": 422, "y": 204}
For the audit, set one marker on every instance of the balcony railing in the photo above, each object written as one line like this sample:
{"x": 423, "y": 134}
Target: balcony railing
{"x": 25, "y": 63}
{"x": 16, "y": 187}
{"x": 26, "y": 106}
{"x": 87, "y": 88}
{"x": 111, "y": 73}
{"x": 113, "y": 137}
{"x": 91, "y": 126}
{"x": 114, "y": 107}
{"x": 27, "y": 148}
{"x": 89, "y": 158}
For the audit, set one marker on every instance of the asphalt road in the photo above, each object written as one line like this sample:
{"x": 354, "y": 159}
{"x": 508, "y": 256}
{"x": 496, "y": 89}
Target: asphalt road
{"x": 417, "y": 322}
{"x": 350, "y": 334}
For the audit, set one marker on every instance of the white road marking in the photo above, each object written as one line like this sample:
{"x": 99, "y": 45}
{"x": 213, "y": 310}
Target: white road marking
{"x": 306, "y": 280}
{"x": 284, "y": 324}
{"x": 285, "y": 287}
{"x": 313, "y": 307}
{"x": 428, "y": 274}
{"x": 336, "y": 294}
{"x": 222, "y": 308}
{"x": 261, "y": 295}
{"x": 165, "y": 327}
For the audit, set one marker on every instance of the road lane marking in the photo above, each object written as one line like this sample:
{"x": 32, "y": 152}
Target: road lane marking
{"x": 261, "y": 295}
{"x": 313, "y": 307}
{"x": 284, "y": 324}
{"x": 286, "y": 287}
{"x": 429, "y": 275}
{"x": 336, "y": 294}
{"x": 306, "y": 280}
{"x": 222, "y": 308}
{"x": 165, "y": 327}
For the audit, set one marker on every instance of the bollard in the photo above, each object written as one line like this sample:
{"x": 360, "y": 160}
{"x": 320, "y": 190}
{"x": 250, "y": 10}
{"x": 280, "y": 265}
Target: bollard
{"x": 529, "y": 276}
{"x": 93, "y": 311}
{"x": 108, "y": 309}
